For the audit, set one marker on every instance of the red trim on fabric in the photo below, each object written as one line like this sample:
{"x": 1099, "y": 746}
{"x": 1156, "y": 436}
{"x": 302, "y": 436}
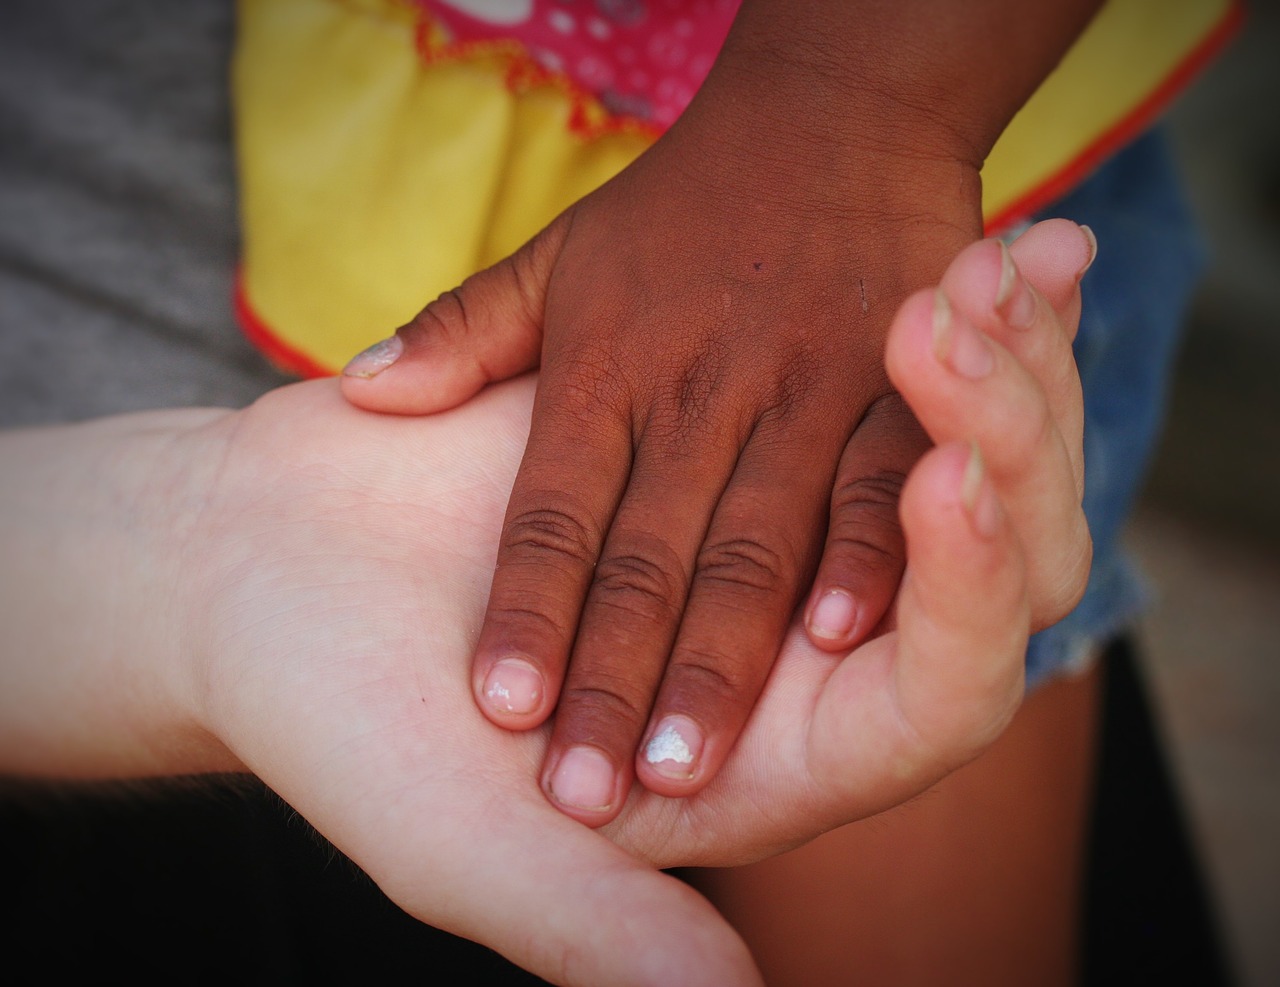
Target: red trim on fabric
{"x": 287, "y": 358}
{"x": 1129, "y": 127}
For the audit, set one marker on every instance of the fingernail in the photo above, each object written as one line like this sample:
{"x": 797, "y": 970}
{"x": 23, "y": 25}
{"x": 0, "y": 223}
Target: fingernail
{"x": 833, "y": 615}
{"x": 583, "y": 779}
{"x": 675, "y": 748}
{"x": 978, "y": 498}
{"x": 513, "y": 686}
{"x": 1092, "y": 240}
{"x": 957, "y": 344}
{"x": 1015, "y": 301}
{"x": 374, "y": 360}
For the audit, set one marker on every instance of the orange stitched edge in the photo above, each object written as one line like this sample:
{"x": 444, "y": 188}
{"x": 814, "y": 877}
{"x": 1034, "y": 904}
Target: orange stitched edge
{"x": 286, "y": 358}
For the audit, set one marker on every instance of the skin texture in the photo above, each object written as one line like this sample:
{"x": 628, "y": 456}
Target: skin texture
{"x": 714, "y": 434}
{"x": 976, "y": 883}
{"x": 295, "y": 590}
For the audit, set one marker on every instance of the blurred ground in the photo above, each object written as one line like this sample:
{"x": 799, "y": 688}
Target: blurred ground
{"x": 1208, "y": 532}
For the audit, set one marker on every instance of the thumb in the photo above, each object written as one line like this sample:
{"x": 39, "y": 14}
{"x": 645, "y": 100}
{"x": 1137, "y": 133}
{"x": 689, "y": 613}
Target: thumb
{"x": 487, "y": 329}
{"x": 577, "y": 911}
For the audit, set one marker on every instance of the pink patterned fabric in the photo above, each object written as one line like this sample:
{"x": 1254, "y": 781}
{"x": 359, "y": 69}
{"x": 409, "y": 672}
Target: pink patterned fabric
{"x": 641, "y": 58}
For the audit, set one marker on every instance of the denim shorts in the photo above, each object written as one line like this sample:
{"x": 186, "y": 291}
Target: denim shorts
{"x": 1135, "y": 301}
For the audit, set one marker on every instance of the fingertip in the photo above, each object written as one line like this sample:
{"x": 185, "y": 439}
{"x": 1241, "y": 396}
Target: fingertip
{"x": 408, "y": 383}
{"x": 512, "y": 693}
{"x": 963, "y": 561}
{"x": 671, "y": 760}
{"x": 953, "y": 483}
{"x": 1053, "y": 256}
{"x": 910, "y": 335}
{"x": 373, "y": 360}
{"x": 982, "y": 280}
{"x": 832, "y": 619}
{"x": 583, "y": 783}
{"x": 1091, "y": 242}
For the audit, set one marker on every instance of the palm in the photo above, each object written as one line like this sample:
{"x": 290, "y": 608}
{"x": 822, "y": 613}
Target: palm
{"x": 347, "y": 607}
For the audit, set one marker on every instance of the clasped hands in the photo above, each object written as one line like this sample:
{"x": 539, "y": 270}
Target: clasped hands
{"x": 297, "y": 589}
{"x": 389, "y": 756}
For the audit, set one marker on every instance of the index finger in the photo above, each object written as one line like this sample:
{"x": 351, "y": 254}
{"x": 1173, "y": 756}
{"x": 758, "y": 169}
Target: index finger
{"x": 566, "y": 491}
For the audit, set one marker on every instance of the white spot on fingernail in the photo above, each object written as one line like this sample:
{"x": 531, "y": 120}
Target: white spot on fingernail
{"x": 668, "y": 745}
{"x": 498, "y": 691}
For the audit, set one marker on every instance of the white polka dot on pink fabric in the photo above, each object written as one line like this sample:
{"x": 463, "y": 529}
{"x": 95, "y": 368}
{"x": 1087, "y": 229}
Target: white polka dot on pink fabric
{"x": 595, "y": 72}
{"x": 562, "y": 21}
{"x": 670, "y": 90}
{"x": 549, "y": 60}
{"x": 667, "y": 52}
{"x": 644, "y": 58}
{"x": 698, "y": 67}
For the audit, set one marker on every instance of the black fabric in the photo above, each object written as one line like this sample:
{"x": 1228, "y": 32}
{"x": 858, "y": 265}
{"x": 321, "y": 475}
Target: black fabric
{"x": 211, "y": 883}
{"x": 1149, "y": 916}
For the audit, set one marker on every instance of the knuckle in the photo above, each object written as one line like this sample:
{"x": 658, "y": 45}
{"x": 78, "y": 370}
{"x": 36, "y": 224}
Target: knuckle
{"x": 1024, "y": 433}
{"x": 445, "y": 318}
{"x": 640, "y": 586}
{"x": 526, "y": 622}
{"x": 530, "y": 267}
{"x": 876, "y": 494}
{"x": 865, "y": 534}
{"x": 689, "y": 396}
{"x": 744, "y": 564}
{"x": 798, "y": 380}
{"x": 696, "y": 385}
{"x": 596, "y": 709}
{"x": 590, "y": 389}
{"x": 850, "y": 554}
{"x": 551, "y": 534}
{"x": 891, "y": 411}
{"x": 701, "y": 677}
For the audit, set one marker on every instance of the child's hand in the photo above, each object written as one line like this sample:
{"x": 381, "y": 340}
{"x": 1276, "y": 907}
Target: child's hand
{"x": 712, "y": 393}
{"x": 713, "y": 424}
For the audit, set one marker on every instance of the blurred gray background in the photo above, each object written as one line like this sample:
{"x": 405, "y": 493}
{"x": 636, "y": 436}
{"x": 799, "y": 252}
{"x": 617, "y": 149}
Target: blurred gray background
{"x": 1208, "y": 531}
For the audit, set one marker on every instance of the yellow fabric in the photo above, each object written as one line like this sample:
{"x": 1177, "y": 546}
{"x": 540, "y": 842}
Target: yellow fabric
{"x": 371, "y": 179}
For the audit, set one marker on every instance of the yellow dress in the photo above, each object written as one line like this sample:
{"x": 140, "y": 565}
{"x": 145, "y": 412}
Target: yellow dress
{"x": 379, "y": 163}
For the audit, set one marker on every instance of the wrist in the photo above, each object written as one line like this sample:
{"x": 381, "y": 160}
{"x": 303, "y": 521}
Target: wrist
{"x": 184, "y": 465}
{"x": 850, "y": 133}
{"x": 95, "y": 685}
{"x": 932, "y": 79}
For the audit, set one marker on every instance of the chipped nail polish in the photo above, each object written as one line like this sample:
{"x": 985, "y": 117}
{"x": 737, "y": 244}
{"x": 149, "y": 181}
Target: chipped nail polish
{"x": 372, "y": 361}
{"x": 675, "y": 747}
{"x": 513, "y": 686}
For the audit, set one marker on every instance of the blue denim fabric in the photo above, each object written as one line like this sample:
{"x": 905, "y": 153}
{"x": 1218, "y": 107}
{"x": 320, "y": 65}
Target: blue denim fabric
{"x": 1150, "y": 258}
